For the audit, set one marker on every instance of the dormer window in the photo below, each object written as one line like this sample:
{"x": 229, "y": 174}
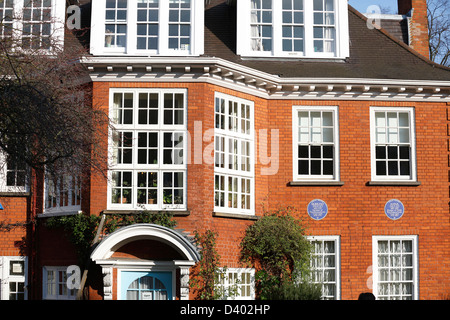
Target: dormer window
{"x": 148, "y": 27}
{"x": 293, "y": 28}
{"x": 35, "y": 24}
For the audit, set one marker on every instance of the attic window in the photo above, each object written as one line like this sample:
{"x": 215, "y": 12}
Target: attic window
{"x": 293, "y": 28}
{"x": 147, "y": 27}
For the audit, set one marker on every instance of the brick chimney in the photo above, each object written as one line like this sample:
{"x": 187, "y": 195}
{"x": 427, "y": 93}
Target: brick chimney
{"x": 416, "y": 10}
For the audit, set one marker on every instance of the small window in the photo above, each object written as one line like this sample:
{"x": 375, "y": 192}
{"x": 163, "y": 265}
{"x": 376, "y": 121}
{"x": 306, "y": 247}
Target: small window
{"x": 62, "y": 194}
{"x": 37, "y": 20}
{"x": 14, "y": 174}
{"x": 55, "y": 284}
{"x": 6, "y": 18}
{"x": 116, "y": 23}
{"x": 237, "y": 284}
{"x": 325, "y": 265}
{"x": 38, "y": 24}
{"x": 147, "y": 25}
{"x": 293, "y": 26}
{"x": 395, "y": 272}
{"x": 393, "y": 144}
{"x": 324, "y": 26}
{"x": 13, "y": 278}
{"x": 261, "y": 25}
{"x": 316, "y": 143}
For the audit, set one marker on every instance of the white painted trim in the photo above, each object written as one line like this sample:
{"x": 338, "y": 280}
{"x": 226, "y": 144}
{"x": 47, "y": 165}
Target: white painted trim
{"x": 122, "y": 236}
{"x": 233, "y": 76}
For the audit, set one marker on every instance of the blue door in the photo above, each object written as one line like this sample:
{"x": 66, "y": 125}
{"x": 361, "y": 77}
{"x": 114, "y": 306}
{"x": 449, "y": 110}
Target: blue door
{"x": 139, "y": 285}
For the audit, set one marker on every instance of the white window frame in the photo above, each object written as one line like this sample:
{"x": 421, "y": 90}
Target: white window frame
{"x": 58, "y": 15}
{"x": 232, "y": 278}
{"x": 6, "y": 277}
{"x": 98, "y": 22}
{"x": 412, "y": 177}
{"x": 243, "y": 44}
{"x": 414, "y": 262}
{"x": 57, "y": 284}
{"x": 223, "y": 188}
{"x": 4, "y": 174}
{"x": 295, "y": 143}
{"x": 337, "y": 262}
{"x": 63, "y": 206}
{"x": 160, "y": 168}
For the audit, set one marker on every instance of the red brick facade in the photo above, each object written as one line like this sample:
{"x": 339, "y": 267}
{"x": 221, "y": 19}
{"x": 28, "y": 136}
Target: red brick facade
{"x": 355, "y": 205}
{"x": 355, "y": 208}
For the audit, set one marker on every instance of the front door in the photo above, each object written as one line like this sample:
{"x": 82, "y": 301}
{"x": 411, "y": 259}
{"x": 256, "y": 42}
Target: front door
{"x": 141, "y": 285}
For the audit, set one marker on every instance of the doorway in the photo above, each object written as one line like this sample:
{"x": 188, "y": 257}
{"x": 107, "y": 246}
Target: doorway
{"x": 141, "y": 285}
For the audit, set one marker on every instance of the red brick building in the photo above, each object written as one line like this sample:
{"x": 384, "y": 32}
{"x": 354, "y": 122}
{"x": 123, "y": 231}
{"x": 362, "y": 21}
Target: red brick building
{"x": 224, "y": 109}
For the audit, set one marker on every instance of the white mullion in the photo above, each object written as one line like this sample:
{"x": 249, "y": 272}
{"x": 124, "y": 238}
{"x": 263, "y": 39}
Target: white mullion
{"x": 309, "y": 28}
{"x": 131, "y": 25}
{"x": 277, "y": 20}
{"x": 163, "y": 42}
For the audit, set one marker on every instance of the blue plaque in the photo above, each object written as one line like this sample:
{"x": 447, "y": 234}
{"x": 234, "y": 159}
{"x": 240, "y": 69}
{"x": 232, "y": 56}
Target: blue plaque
{"x": 394, "y": 209}
{"x": 317, "y": 209}
{"x": 1, "y": 207}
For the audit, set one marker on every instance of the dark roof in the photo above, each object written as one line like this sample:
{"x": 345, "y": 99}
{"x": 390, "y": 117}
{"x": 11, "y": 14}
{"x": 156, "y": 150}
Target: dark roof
{"x": 374, "y": 53}
{"x": 397, "y": 28}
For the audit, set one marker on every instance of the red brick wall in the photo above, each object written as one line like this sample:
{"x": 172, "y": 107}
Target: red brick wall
{"x": 15, "y": 211}
{"x": 355, "y": 209}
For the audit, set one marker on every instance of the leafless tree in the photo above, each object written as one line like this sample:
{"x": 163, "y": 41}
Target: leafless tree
{"x": 47, "y": 120}
{"x": 439, "y": 31}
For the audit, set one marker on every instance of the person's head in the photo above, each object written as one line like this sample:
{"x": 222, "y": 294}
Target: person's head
{"x": 366, "y": 296}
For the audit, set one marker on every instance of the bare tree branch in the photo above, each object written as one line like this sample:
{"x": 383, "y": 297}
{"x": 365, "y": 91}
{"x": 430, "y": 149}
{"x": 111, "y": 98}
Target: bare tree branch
{"x": 439, "y": 30}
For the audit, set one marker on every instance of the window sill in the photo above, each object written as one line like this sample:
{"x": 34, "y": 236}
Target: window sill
{"x": 394, "y": 183}
{"x": 58, "y": 213}
{"x": 234, "y": 216}
{"x": 15, "y": 194}
{"x": 316, "y": 183}
{"x": 179, "y": 213}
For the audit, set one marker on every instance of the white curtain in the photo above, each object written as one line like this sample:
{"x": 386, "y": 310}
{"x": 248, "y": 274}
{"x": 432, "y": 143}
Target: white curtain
{"x": 256, "y": 43}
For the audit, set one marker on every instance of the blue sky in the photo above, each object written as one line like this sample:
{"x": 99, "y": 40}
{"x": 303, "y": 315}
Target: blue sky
{"x": 362, "y": 5}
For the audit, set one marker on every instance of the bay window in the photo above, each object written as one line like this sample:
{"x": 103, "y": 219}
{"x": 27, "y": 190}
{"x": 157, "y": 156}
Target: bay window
{"x": 234, "y": 164}
{"x": 148, "y": 149}
{"x": 293, "y": 28}
{"x": 148, "y": 27}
